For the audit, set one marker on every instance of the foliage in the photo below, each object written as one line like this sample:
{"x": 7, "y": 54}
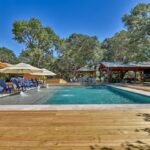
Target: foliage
{"x": 40, "y": 41}
{"x": 43, "y": 48}
{"x": 138, "y": 24}
{"x": 133, "y": 44}
{"x": 77, "y": 51}
{"x": 117, "y": 47}
{"x": 7, "y": 56}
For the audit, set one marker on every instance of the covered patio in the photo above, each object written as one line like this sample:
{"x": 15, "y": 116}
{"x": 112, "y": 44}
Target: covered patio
{"x": 86, "y": 74}
{"x": 112, "y": 70}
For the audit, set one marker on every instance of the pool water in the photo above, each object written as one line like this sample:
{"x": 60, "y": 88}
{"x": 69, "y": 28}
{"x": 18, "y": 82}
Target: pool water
{"x": 96, "y": 95}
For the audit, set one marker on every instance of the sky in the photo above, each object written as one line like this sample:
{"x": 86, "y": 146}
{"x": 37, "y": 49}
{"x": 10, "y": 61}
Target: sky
{"x": 92, "y": 17}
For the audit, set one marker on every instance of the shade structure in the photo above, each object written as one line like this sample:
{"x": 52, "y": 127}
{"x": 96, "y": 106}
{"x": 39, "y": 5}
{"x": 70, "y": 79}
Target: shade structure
{"x": 87, "y": 69}
{"x": 20, "y": 68}
{"x": 44, "y": 72}
{"x": 3, "y": 65}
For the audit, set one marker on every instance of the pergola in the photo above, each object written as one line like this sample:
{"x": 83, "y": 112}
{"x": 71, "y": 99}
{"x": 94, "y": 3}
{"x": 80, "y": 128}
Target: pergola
{"x": 91, "y": 71}
{"x": 122, "y": 69}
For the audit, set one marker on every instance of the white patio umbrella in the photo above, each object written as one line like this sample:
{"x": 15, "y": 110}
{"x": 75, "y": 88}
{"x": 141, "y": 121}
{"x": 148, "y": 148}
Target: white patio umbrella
{"x": 20, "y": 68}
{"x": 4, "y": 65}
{"x": 44, "y": 72}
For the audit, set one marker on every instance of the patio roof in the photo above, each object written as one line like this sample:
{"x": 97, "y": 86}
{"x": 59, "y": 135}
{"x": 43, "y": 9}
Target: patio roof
{"x": 119, "y": 66}
{"x": 87, "y": 69}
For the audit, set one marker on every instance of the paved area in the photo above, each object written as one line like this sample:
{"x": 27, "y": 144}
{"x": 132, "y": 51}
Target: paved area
{"x": 29, "y": 97}
{"x": 74, "y": 107}
{"x": 142, "y": 87}
{"x": 75, "y": 130}
{"x": 134, "y": 90}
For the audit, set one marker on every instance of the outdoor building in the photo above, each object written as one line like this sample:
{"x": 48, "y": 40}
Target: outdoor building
{"x": 86, "y": 74}
{"x": 117, "y": 71}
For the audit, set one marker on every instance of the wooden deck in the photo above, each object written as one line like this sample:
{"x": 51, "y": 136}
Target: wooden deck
{"x": 75, "y": 130}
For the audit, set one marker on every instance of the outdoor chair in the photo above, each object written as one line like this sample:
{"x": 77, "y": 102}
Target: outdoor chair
{"x": 16, "y": 83}
{"x": 36, "y": 82}
{"x": 1, "y": 90}
{"x": 29, "y": 84}
{"x": 22, "y": 84}
{"x": 33, "y": 82}
{"x": 5, "y": 87}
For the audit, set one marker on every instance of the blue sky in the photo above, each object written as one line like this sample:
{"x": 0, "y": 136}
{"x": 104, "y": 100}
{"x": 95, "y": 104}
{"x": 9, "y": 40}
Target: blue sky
{"x": 93, "y": 17}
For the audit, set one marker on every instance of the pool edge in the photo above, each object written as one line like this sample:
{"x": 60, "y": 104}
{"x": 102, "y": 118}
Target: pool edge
{"x": 145, "y": 93}
{"x": 74, "y": 107}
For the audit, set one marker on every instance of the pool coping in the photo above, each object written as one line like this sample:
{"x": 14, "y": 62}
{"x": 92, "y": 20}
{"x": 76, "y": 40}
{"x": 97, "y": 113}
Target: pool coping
{"x": 81, "y": 106}
{"x": 73, "y": 107}
{"x": 145, "y": 93}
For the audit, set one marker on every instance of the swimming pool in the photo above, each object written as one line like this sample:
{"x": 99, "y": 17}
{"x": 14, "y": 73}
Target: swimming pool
{"x": 75, "y": 96}
{"x": 95, "y": 95}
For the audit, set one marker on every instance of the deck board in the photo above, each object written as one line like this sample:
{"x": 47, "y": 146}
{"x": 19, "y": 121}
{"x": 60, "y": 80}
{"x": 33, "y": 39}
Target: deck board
{"x": 75, "y": 130}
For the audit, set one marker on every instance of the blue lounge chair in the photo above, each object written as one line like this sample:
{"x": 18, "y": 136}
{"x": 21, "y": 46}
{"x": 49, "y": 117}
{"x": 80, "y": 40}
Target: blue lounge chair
{"x": 29, "y": 84}
{"x": 34, "y": 83}
{"x": 5, "y": 87}
{"x": 1, "y": 90}
{"x": 22, "y": 84}
{"x": 16, "y": 83}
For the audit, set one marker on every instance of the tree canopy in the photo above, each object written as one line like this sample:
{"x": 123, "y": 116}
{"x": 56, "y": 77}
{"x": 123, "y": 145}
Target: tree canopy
{"x": 133, "y": 44}
{"x": 40, "y": 41}
{"x": 7, "y": 55}
{"x": 117, "y": 47}
{"x": 138, "y": 25}
{"x": 76, "y": 51}
{"x": 44, "y": 48}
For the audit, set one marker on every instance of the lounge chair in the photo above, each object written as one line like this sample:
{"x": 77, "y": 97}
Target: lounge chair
{"x": 37, "y": 83}
{"x": 29, "y": 84}
{"x": 1, "y": 90}
{"x": 16, "y": 84}
{"x": 5, "y": 86}
{"x": 34, "y": 83}
{"x": 22, "y": 84}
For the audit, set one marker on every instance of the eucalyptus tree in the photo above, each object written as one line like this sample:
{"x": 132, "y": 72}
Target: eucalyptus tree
{"x": 134, "y": 43}
{"x": 39, "y": 41}
{"x": 117, "y": 48}
{"x": 8, "y": 56}
{"x": 77, "y": 51}
{"x": 138, "y": 24}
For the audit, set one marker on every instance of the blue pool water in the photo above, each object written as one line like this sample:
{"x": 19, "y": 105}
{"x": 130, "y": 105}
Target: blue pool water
{"x": 96, "y": 95}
